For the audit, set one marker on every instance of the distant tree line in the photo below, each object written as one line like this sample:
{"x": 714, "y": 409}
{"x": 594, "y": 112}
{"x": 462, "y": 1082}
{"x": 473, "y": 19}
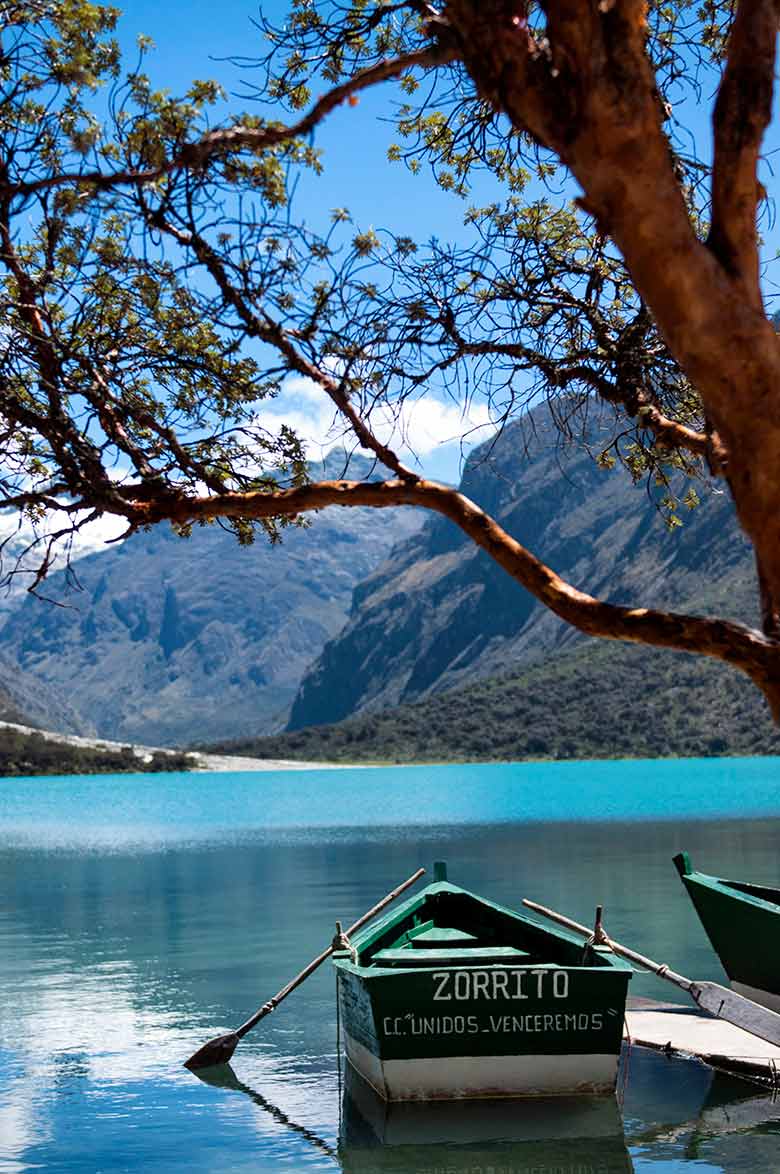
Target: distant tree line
{"x": 33, "y": 754}
{"x": 594, "y": 703}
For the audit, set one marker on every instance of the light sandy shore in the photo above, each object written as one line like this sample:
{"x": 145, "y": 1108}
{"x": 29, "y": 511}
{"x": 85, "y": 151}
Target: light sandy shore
{"x": 233, "y": 763}
{"x": 206, "y": 762}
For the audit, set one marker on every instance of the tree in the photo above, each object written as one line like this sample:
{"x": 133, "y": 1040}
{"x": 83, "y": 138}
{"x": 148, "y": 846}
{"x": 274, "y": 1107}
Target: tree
{"x": 156, "y": 287}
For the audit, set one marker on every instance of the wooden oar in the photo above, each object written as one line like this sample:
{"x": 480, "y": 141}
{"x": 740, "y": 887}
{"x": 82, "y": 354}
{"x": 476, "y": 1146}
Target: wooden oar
{"x": 710, "y": 996}
{"x": 221, "y": 1048}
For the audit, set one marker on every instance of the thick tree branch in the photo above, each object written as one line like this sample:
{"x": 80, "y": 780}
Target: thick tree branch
{"x": 742, "y": 113}
{"x": 603, "y": 118}
{"x": 600, "y": 113}
{"x": 504, "y": 58}
{"x": 736, "y": 644}
{"x": 237, "y": 138}
{"x": 584, "y": 88}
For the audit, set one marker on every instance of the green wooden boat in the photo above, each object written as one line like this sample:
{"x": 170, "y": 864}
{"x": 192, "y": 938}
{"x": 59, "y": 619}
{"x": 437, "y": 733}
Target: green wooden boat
{"x": 742, "y": 922}
{"x": 453, "y": 996}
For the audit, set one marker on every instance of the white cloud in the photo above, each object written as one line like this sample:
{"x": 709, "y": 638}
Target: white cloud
{"x": 304, "y": 407}
{"x": 96, "y": 534}
{"x": 427, "y": 423}
{"x": 20, "y": 539}
{"x": 416, "y": 429}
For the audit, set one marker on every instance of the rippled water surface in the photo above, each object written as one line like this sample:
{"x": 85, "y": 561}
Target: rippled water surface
{"x": 142, "y": 915}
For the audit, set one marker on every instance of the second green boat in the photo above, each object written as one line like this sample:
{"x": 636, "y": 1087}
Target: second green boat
{"x": 742, "y": 922}
{"x": 454, "y": 996}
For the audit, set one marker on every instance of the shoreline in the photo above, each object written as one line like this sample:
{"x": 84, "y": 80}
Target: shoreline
{"x": 206, "y": 763}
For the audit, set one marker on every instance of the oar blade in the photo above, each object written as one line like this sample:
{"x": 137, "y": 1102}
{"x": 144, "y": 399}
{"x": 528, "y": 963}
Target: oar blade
{"x": 217, "y": 1051}
{"x": 733, "y": 1008}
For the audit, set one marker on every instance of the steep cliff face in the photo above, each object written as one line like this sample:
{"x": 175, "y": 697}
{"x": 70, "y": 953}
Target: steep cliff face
{"x": 172, "y": 641}
{"x": 441, "y": 613}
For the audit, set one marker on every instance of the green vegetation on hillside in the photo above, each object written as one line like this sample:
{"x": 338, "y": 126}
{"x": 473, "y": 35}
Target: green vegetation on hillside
{"x": 32, "y": 754}
{"x": 597, "y": 702}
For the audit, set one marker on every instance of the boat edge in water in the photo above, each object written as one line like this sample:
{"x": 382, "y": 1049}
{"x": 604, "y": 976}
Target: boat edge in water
{"x": 385, "y": 1014}
{"x": 743, "y": 929}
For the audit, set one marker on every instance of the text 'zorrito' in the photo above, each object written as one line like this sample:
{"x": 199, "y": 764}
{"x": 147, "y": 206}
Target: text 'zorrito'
{"x": 499, "y": 984}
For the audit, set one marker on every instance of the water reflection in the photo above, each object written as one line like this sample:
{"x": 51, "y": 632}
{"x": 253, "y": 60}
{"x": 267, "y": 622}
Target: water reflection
{"x": 468, "y": 1137}
{"x": 682, "y": 1110}
{"x": 505, "y": 1137}
{"x": 223, "y": 1076}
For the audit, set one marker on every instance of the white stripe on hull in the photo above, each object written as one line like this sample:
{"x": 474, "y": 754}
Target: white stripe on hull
{"x": 450, "y": 1077}
{"x": 765, "y": 998}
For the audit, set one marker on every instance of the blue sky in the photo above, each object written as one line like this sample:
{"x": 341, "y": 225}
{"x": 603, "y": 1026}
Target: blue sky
{"x": 190, "y": 37}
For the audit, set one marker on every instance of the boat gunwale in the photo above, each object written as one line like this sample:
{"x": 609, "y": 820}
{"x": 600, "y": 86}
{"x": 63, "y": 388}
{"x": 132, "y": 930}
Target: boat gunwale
{"x": 726, "y": 888}
{"x": 368, "y": 936}
{"x": 343, "y": 960}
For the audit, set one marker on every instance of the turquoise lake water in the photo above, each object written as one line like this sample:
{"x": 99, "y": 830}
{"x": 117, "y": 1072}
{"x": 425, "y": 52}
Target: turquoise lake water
{"x": 142, "y": 915}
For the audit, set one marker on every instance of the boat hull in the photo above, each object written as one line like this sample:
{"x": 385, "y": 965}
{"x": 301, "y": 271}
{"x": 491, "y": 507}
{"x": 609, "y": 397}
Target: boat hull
{"x": 768, "y": 999}
{"x": 493, "y": 1032}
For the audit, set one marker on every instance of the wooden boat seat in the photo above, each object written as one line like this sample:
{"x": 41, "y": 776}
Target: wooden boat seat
{"x": 471, "y": 956}
{"x": 440, "y": 935}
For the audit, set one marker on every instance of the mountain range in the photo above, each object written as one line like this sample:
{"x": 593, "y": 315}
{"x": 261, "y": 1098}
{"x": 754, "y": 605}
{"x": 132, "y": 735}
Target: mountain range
{"x": 173, "y": 641}
{"x": 441, "y": 613}
{"x": 168, "y": 640}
